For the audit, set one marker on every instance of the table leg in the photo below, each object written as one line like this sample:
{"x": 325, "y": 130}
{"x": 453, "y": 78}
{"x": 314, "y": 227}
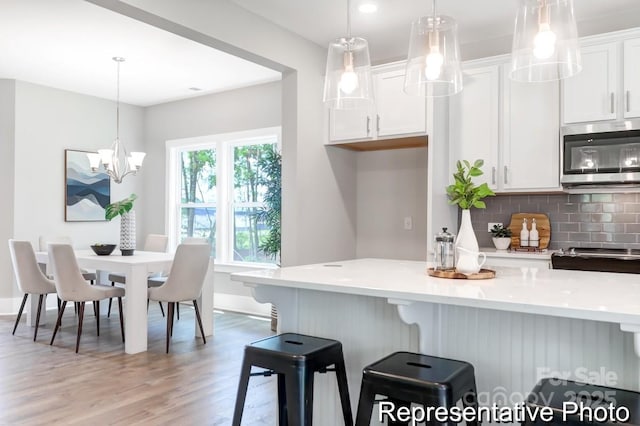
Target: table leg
{"x": 135, "y": 310}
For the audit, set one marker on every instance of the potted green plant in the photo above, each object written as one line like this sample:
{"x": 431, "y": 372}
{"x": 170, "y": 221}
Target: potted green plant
{"x": 465, "y": 194}
{"x": 124, "y": 209}
{"x": 501, "y": 237}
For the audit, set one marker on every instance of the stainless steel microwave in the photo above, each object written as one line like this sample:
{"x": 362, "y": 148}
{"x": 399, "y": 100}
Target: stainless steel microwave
{"x": 605, "y": 153}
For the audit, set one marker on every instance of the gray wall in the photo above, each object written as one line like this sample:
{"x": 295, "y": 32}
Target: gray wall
{"x": 392, "y": 185}
{"x": 577, "y": 220}
{"x": 7, "y": 137}
{"x": 48, "y": 121}
{"x": 243, "y": 109}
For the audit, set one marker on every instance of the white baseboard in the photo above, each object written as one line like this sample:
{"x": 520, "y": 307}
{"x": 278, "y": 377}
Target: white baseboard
{"x": 222, "y": 301}
{"x": 243, "y": 304}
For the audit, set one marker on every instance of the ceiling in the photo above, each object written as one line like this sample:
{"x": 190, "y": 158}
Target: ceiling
{"x": 68, "y": 44}
{"x": 485, "y": 26}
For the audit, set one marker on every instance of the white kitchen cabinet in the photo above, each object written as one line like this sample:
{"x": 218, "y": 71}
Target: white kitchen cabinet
{"x": 513, "y": 127}
{"x": 474, "y": 118}
{"x": 397, "y": 113}
{"x": 591, "y": 95}
{"x": 631, "y": 78}
{"x": 393, "y": 114}
{"x": 530, "y": 154}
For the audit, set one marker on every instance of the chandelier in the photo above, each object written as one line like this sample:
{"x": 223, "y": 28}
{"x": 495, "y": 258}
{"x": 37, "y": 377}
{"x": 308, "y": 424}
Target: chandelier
{"x": 117, "y": 162}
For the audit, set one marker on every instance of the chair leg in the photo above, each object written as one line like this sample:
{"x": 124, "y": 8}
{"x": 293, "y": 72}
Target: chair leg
{"x": 24, "y": 300}
{"x": 161, "y": 309}
{"x": 110, "y": 300}
{"x": 365, "y": 404}
{"x": 296, "y": 398}
{"x": 60, "y": 313}
{"x": 35, "y": 333}
{"x": 343, "y": 389}
{"x": 169, "y": 322}
{"x": 121, "y": 317}
{"x": 178, "y": 309}
{"x": 96, "y": 310}
{"x": 282, "y": 401}
{"x": 80, "y": 319}
{"x": 243, "y": 384}
{"x": 195, "y": 305}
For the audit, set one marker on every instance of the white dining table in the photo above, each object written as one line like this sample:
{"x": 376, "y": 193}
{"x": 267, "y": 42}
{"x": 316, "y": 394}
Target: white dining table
{"x": 137, "y": 269}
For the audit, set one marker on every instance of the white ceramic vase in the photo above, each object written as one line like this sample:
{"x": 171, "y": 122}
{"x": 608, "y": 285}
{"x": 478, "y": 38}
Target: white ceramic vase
{"x": 466, "y": 237}
{"x": 128, "y": 233}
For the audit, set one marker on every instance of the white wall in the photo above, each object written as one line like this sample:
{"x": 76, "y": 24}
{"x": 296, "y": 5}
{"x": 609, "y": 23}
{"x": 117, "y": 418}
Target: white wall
{"x": 318, "y": 218}
{"x": 392, "y": 185}
{"x": 7, "y": 134}
{"x": 48, "y": 121}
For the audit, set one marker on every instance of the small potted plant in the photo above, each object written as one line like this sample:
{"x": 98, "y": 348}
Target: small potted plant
{"x": 501, "y": 237}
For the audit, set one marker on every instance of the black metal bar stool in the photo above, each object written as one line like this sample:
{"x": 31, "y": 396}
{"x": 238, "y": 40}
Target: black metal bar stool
{"x": 295, "y": 358}
{"x": 405, "y": 378}
{"x": 595, "y": 400}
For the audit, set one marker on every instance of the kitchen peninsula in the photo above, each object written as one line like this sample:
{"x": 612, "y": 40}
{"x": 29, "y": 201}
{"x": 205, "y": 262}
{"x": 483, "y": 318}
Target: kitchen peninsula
{"x": 523, "y": 325}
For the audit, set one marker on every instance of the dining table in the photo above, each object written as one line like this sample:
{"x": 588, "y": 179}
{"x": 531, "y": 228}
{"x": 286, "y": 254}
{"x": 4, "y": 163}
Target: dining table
{"x": 137, "y": 269}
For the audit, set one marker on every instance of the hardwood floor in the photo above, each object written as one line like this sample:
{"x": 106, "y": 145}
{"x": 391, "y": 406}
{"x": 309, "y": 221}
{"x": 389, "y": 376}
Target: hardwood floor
{"x": 194, "y": 384}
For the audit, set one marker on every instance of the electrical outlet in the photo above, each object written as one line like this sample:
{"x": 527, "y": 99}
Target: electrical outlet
{"x": 491, "y": 224}
{"x": 408, "y": 223}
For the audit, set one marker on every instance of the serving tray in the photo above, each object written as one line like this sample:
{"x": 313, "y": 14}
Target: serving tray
{"x": 483, "y": 274}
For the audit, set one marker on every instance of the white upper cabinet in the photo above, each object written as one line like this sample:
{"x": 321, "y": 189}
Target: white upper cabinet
{"x": 592, "y": 94}
{"x": 397, "y": 112}
{"x": 608, "y": 87}
{"x": 513, "y": 127}
{"x": 530, "y": 135}
{"x": 632, "y": 78}
{"x": 474, "y": 118}
{"x": 393, "y": 114}
{"x": 348, "y": 124}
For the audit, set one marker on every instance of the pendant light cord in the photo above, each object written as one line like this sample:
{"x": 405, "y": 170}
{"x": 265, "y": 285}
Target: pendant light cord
{"x": 118, "y": 101}
{"x": 349, "y": 19}
{"x": 433, "y": 3}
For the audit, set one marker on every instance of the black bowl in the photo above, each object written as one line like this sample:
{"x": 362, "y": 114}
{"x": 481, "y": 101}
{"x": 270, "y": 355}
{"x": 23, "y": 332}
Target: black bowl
{"x": 103, "y": 249}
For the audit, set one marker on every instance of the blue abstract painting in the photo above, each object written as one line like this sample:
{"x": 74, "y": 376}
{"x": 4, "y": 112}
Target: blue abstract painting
{"x": 87, "y": 193}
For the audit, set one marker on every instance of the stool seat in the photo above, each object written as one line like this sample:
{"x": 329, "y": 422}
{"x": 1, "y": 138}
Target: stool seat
{"x": 295, "y": 358}
{"x": 407, "y": 377}
{"x": 553, "y": 393}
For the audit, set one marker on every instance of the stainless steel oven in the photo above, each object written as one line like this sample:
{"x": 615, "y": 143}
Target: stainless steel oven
{"x": 606, "y": 153}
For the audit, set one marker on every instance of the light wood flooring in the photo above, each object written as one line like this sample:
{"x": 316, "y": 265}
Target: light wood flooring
{"x": 194, "y": 384}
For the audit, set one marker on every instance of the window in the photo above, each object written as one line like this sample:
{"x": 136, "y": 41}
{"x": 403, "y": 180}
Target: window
{"x": 216, "y": 190}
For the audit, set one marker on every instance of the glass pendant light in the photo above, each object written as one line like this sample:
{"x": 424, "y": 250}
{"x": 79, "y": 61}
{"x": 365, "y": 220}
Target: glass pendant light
{"x": 545, "y": 41}
{"x": 433, "y": 63}
{"x": 347, "y": 83}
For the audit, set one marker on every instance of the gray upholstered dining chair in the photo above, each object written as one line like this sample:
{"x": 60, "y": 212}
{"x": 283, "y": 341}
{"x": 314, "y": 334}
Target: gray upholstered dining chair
{"x": 158, "y": 280}
{"x": 72, "y": 287}
{"x": 185, "y": 282}
{"x": 43, "y": 243}
{"x": 153, "y": 242}
{"x": 30, "y": 279}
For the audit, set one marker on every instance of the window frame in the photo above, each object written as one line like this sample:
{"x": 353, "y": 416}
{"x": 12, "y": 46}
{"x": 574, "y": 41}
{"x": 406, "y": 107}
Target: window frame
{"x": 224, "y": 145}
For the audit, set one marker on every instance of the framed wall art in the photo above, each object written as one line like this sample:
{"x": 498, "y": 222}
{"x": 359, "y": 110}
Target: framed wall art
{"x": 87, "y": 193}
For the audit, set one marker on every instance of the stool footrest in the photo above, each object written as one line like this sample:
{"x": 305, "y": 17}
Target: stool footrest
{"x": 265, "y": 373}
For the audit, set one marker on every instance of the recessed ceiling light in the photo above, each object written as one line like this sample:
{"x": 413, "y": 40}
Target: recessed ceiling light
{"x": 368, "y": 7}
{"x": 195, "y": 89}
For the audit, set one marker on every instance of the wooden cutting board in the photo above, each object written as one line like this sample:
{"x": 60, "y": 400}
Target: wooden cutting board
{"x": 542, "y": 224}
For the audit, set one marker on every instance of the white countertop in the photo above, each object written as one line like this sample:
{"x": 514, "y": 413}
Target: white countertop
{"x": 574, "y": 294}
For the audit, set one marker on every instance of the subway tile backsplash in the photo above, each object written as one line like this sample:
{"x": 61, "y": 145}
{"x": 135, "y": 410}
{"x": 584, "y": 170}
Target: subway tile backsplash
{"x": 577, "y": 220}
